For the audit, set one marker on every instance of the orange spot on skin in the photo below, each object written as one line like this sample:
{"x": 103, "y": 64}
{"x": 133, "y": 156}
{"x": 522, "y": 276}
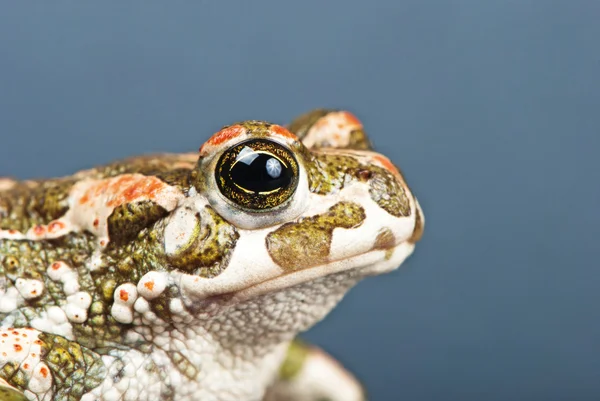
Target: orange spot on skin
{"x": 38, "y": 342}
{"x": 4, "y": 335}
{"x": 33, "y": 292}
{"x": 44, "y": 372}
{"x": 351, "y": 118}
{"x": 102, "y": 243}
{"x": 279, "y": 130}
{"x": 17, "y": 347}
{"x": 124, "y": 188}
{"x": 12, "y": 232}
{"x": 96, "y": 222}
{"x": 123, "y": 295}
{"x": 342, "y": 120}
{"x": 39, "y": 230}
{"x": 55, "y": 266}
{"x": 26, "y": 366}
{"x": 387, "y": 164}
{"x": 56, "y": 226}
{"x": 224, "y": 135}
{"x": 85, "y": 198}
{"x": 149, "y": 285}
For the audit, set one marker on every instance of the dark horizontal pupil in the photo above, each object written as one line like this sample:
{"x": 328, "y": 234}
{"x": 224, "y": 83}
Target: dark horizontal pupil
{"x": 260, "y": 172}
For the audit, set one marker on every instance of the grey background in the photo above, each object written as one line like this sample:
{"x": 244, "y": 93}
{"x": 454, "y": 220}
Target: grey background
{"x": 491, "y": 108}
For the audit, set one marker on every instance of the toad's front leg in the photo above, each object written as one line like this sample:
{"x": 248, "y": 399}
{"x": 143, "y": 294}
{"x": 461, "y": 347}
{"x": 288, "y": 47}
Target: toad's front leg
{"x": 310, "y": 374}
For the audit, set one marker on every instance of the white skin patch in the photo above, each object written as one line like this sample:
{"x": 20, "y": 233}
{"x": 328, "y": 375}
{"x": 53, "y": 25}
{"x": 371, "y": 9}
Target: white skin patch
{"x": 386, "y": 264}
{"x": 10, "y": 300}
{"x": 135, "y": 381}
{"x": 7, "y": 183}
{"x": 62, "y": 272}
{"x": 152, "y": 284}
{"x": 346, "y": 242}
{"x": 54, "y": 320}
{"x": 77, "y": 306}
{"x": 181, "y": 226}
{"x": 29, "y": 288}
{"x": 124, "y": 298}
{"x": 22, "y": 346}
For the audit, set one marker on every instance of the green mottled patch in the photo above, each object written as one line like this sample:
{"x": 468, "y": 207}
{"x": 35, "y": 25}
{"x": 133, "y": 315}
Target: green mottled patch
{"x": 31, "y": 259}
{"x": 183, "y": 364}
{"x": 126, "y": 263}
{"x": 173, "y": 169}
{"x": 8, "y": 393}
{"x": 209, "y": 248}
{"x": 256, "y": 128}
{"x": 15, "y": 377}
{"x": 75, "y": 369}
{"x": 303, "y": 123}
{"x": 296, "y": 355}
{"x": 27, "y": 204}
{"x": 359, "y": 140}
{"x": 330, "y": 173}
{"x": 385, "y": 239}
{"x": 295, "y": 246}
{"x": 388, "y": 193}
{"x": 160, "y": 304}
{"x": 128, "y": 219}
{"x": 179, "y": 178}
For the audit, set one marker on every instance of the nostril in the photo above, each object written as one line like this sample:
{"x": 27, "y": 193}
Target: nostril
{"x": 364, "y": 175}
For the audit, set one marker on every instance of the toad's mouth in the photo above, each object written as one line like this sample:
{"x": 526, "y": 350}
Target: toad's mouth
{"x": 365, "y": 264}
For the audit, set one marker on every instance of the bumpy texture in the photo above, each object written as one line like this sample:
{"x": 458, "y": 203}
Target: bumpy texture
{"x": 145, "y": 279}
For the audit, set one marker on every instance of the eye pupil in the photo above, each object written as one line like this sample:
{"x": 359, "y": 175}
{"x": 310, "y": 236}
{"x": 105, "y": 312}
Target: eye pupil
{"x": 257, "y": 174}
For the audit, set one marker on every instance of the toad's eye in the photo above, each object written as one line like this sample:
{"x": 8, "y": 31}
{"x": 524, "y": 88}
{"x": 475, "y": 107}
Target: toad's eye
{"x": 257, "y": 174}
